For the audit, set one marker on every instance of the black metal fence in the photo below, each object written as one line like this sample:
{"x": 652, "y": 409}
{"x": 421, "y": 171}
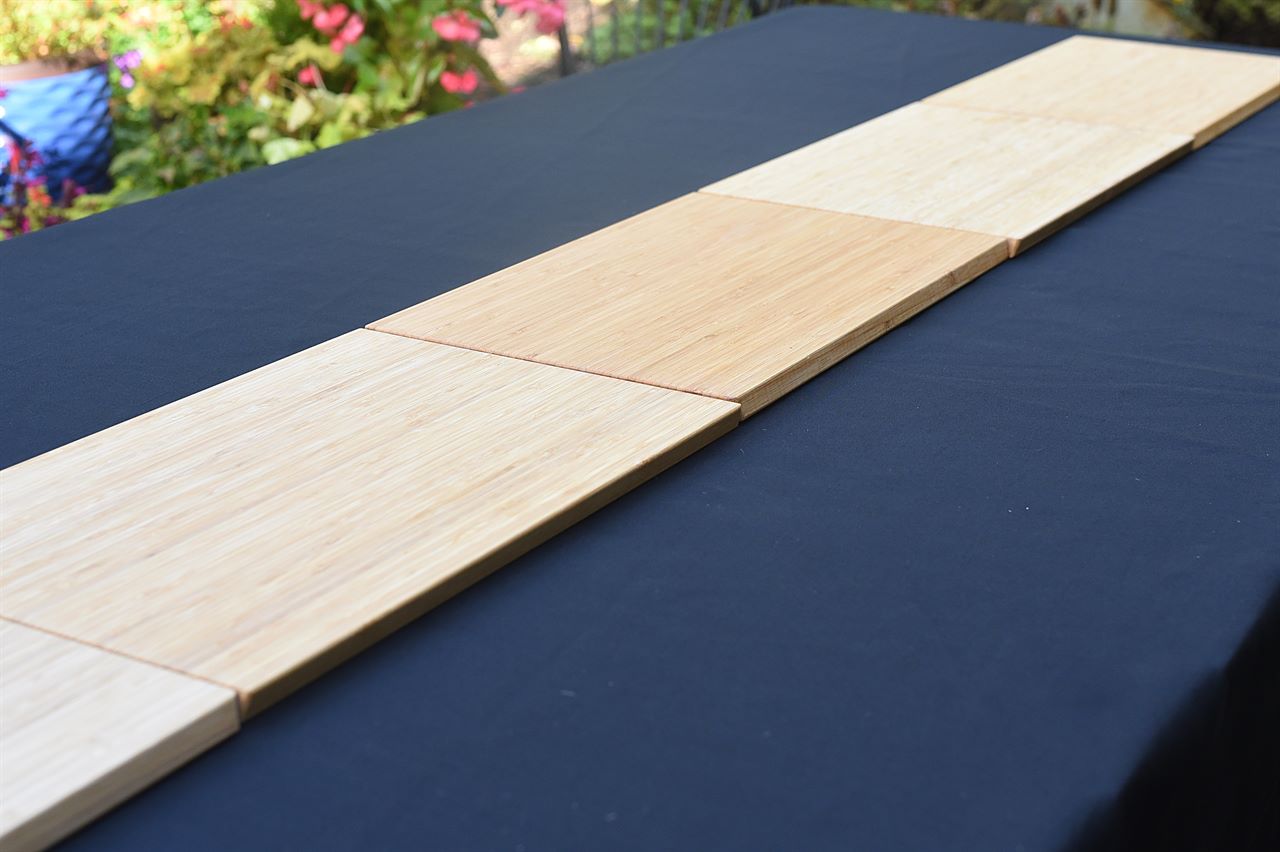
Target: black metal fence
{"x": 623, "y": 28}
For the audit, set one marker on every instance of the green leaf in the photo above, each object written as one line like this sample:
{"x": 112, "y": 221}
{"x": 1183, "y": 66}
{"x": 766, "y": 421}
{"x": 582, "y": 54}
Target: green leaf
{"x": 300, "y": 113}
{"x": 330, "y": 134}
{"x": 368, "y": 77}
{"x": 437, "y": 68}
{"x": 285, "y": 148}
{"x": 304, "y": 51}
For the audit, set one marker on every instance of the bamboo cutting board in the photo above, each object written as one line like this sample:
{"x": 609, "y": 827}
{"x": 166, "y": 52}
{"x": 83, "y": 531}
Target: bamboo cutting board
{"x": 1190, "y": 90}
{"x": 259, "y": 532}
{"x": 1018, "y": 177}
{"x": 82, "y": 729}
{"x": 742, "y": 300}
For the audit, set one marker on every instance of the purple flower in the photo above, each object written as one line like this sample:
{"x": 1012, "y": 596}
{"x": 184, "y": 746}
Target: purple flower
{"x": 128, "y": 60}
{"x": 126, "y": 80}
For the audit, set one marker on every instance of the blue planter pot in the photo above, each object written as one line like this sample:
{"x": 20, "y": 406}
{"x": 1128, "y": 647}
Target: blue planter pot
{"x": 68, "y": 118}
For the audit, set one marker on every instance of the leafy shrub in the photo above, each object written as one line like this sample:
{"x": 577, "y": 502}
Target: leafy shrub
{"x": 1243, "y": 21}
{"x": 292, "y": 78}
{"x": 47, "y": 29}
{"x": 206, "y": 88}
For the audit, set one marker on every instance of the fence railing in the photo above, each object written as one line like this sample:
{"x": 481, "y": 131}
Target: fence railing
{"x": 623, "y": 28}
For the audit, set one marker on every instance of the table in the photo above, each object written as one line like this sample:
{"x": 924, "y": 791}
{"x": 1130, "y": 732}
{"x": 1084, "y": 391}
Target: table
{"x": 956, "y": 592}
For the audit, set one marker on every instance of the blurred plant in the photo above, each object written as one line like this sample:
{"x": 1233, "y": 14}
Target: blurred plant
{"x": 206, "y": 88}
{"x": 55, "y": 29}
{"x": 1243, "y": 21}
{"x": 271, "y": 81}
{"x": 550, "y": 13}
{"x": 25, "y": 202}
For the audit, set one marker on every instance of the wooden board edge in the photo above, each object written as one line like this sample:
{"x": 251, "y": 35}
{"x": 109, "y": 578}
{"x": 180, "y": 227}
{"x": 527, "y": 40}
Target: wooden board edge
{"x": 1244, "y": 111}
{"x": 830, "y": 354}
{"x": 1019, "y": 243}
{"x": 114, "y": 788}
{"x": 1200, "y": 137}
{"x": 255, "y": 700}
{"x": 102, "y": 794}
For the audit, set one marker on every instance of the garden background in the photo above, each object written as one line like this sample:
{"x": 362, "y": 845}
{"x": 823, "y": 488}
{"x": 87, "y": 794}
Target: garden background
{"x": 107, "y": 102}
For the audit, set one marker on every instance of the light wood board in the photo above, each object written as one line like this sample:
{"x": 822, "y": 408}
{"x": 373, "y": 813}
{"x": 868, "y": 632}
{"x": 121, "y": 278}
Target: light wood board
{"x": 258, "y": 532}
{"x": 741, "y": 300}
{"x": 82, "y": 729}
{"x": 1020, "y": 177}
{"x": 1195, "y": 91}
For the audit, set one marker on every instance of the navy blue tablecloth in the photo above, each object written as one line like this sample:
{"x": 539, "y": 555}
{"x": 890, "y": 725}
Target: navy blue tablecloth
{"x": 999, "y": 581}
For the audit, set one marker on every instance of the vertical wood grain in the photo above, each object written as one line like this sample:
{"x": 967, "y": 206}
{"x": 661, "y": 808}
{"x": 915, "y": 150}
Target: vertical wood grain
{"x": 742, "y": 300}
{"x": 259, "y": 532}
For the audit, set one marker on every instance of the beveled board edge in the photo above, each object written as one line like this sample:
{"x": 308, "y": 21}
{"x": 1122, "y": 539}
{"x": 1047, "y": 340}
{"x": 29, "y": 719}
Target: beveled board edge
{"x": 835, "y": 351}
{"x": 261, "y": 698}
{"x": 1200, "y": 138}
{"x": 1020, "y": 241}
{"x": 115, "y": 786}
{"x": 1019, "y": 244}
{"x": 141, "y": 770}
{"x": 1247, "y": 110}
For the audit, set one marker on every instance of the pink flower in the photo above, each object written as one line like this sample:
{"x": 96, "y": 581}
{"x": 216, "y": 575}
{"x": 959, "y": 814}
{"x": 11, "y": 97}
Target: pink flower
{"x": 328, "y": 20}
{"x": 310, "y": 76}
{"x": 550, "y": 16}
{"x": 308, "y": 8}
{"x": 353, "y": 30}
{"x": 350, "y": 34}
{"x": 456, "y": 26}
{"x": 460, "y": 84}
{"x": 550, "y": 13}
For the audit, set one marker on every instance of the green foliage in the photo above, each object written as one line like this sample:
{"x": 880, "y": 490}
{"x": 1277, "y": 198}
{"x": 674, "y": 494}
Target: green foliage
{"x": 1250, "y": 11}
{"x": 1244, "y": 21}
{"x": 49, "y": 29}
{"x": 229, "y": 86}
{"x": 206, "y": 88}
